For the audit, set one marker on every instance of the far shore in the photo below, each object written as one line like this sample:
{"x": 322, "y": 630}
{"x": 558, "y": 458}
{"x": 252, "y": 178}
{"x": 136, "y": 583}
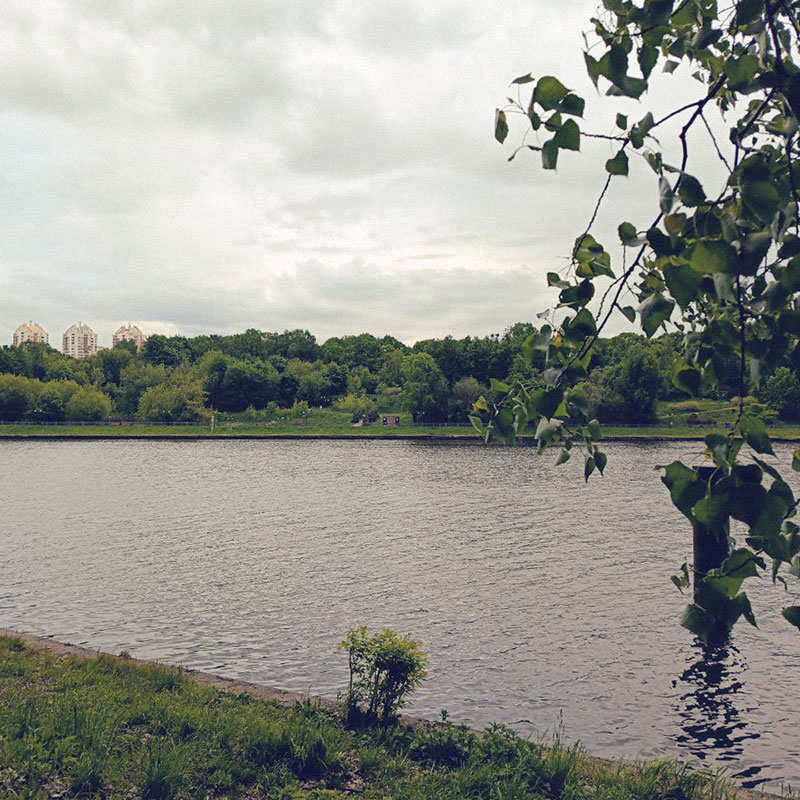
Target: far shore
{"x": 463, "y": 435}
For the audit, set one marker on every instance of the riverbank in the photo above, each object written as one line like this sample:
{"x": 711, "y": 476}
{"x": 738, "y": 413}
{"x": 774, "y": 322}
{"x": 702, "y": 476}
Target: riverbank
{"x": 611, "y": 433}
{"x": 78, "y": 723}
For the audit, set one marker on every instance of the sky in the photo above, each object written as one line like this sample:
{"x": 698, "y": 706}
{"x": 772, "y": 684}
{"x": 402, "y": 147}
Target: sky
{"x": 201, "y": 167}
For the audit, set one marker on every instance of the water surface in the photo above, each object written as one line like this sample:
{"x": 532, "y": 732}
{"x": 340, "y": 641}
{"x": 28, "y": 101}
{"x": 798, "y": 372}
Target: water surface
{"x": 538, "y": 598}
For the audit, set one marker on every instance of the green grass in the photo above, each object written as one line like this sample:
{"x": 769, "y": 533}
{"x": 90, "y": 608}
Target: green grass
{"x": 674, "y": 423}
{"x": 108, "y": 727}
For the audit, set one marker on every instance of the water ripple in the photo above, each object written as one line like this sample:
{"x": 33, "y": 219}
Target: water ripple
{"x": 538, "y": 597}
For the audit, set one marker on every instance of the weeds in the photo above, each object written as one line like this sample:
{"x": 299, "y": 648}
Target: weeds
{"x": 113, "y": 729}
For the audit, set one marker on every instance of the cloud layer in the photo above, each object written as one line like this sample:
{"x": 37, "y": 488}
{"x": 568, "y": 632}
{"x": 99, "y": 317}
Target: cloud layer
{"x": 204, "y": 167}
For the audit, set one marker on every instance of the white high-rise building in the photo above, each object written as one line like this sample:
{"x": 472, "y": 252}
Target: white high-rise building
{"x": 30, "y": 332}
{"x": 79, "y": 341}
{"x": 130, "y": 333}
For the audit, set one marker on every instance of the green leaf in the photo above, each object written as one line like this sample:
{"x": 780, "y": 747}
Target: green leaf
{"x": 796, "y": 460}
{"x": 554, "y": 279}
{"x": 629, "y": 312}
{"x": 741, "y": 70}
{"x": 600, "y": 460}
{"x": 749, "y": 11}
{"x": 748, "y": 502}
{"x": 698, "y": 621}
{"x": 648, "y": 57}
{"x": 593, "y": 69}
{"x": 686, "y": 378}
{"x": 723, "y": 287}
{"x": 618, "y": 165}
{"x": 654, "y": 311}
{"x": 593, "y": 429}
{"x": 622, "y": 121}
{"x": 568, "y": 136}
{"x": 717, "y": 443}
{"x": 588, "y": 467}
{"x": 581, "y": 326}
{"x": 577, "y": 296}
{"x": 753, "y": 250}
{"x": 573, "y": 105}
{"x": 712, "y": 510}
{"x": 550, "y": 154}
{"x": 563, "y": 456}
{"x": 740, "y": 564}
{"x": 628, "y": 86}
{"x": 762, "y": 198}
{"x": 683, "y": 283}
{"x": 549, "y": 92}
{"x": 498, "y": 386}
{"x": 670, "y": 66}
{"x": 713, "y": 256}
{"x": 682, "y": 580}
{"x": 546, "y": 430}
{"x": 523, "y": 79}
{"x": 691, "y": 191}
{"x": 756, "y": 435}
{"x": 627, "y": 233}
{"x": 666, "y": 196}
{"x": 550, "y": 401}
{"x": 792, "y": 615}
{"x": 686, "y": 487}
{"x": 764, "y": 532}
{"x": 792, "y": 94}
{"x": 500, "y": 126}
{"x": 641, "y": 129}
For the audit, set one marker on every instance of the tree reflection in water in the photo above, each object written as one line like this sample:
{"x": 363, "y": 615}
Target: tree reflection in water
{"x": 713, "y": 708}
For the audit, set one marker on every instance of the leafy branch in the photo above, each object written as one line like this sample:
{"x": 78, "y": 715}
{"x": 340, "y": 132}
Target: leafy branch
{"x": 723, "y": 272}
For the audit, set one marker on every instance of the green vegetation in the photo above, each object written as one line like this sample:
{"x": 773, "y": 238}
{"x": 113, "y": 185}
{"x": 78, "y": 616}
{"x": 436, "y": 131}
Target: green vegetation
{"x": 111, "y": 728}
{"x": 715, "y": 265}
{"x": 384, "y": 669}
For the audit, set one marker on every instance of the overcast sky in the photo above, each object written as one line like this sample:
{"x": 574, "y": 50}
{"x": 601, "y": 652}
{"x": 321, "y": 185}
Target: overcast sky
{"x": 197, "y": 166}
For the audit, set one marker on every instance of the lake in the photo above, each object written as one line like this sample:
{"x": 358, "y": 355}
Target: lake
{"x": 542, "y": 601}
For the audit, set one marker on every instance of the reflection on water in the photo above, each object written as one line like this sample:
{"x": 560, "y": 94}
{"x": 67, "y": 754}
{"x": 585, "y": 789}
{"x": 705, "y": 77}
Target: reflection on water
{"x": 536, "y": 595}
{"x": 712, "y": 719}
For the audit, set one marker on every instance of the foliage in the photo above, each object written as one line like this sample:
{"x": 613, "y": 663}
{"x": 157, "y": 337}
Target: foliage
{"x": 359, "y": 406}
{"x": 718, "y": 263}
{"x": 384, "y": 669}
{"x": 136, "y": 379}
{"x": 179, "y": 400}
{"x": 781, "y": 392}
{"x": 465, "y": 392}
{"x": 48, "y": 405}
{"x": 15, "y": 395}
{"x": 424, "y": 387}
{"x": 114, "y": 728}
{"x": 88, "y": 405}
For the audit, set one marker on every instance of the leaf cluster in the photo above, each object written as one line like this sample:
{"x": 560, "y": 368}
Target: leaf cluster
{"x": 719, "y": 264}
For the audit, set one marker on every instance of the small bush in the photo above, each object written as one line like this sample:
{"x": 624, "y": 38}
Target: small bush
{"x": 384, "y": 669}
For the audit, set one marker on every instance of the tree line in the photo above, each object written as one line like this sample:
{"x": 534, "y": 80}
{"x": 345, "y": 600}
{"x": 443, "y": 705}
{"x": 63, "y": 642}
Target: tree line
{"x": 182, "y": 379}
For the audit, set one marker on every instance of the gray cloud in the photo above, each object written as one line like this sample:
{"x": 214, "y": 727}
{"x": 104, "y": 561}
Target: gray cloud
{"x": 327, "y": 165}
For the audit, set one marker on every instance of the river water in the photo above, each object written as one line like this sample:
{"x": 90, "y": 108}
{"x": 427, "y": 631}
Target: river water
{"x": 542, "y": 601}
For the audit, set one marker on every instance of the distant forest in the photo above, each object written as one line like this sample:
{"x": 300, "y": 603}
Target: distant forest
{"x": 179, "y": 379}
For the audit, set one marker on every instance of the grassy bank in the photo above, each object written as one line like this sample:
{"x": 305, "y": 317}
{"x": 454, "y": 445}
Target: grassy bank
{"x": 245, "y": 430}
{"x": 683, "y": 419}
{"x": 114, "y": 728}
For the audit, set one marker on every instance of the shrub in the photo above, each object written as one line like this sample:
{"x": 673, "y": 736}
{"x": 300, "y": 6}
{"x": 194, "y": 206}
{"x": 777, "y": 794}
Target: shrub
{"x": 88, "y": 405}
{"x": 384, "y": 669}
